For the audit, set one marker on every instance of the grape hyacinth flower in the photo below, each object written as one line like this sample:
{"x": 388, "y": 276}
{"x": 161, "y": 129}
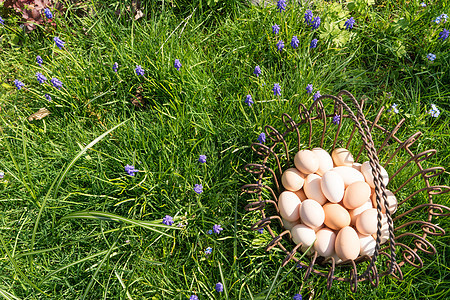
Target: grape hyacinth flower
{"x": 167, "y": 220}
{"x": 316, "y": 23}
{"x": 48, "y": 13}
{"x": 394, "y": 108}
{"x": 56, "y": 83}
{"x": 115, "y": 67}
{"x": 257, "y": 71}
{"x": 202, "y": 158}
{"x": 443, "y": 34}
{"x": 177, "y": 64}
{"x": 217, "y": 229}
{"x": 431, "y": 56}
{"x": 261, "y": 230}
{"x": 434, "y": 111}
{"x": 262, "y": 138}
{"x": 280, "y": 45}
{"x": 297, "y": 297}
{"x": 308, "y": 17}
{"x": 60, "y": 43}
{"x": 281, "y": 5}
{"x": 40, "y": 78}
{"x": 248, "y": 100}
{"x": 2, "y": 21}
{"x": 208, "y": 251}
{"x": 139, "y": 70}
{"x": 39, "y": 60}
{"x": 47, "y": 96}
{"x": 336, "y": 119}
{"x": 349, "y": 23}
{"x": 313, "y": 44}
{"x": 309, "y": 88}
{"x": 193, "y": 297}
{"x": 276, "y": 89}
{"x": 198, "y": 188}
{"x": 219, "y": 287}
{"x": 275, "y": 29}
{"x": 316, "y": 95}
{"x": 19, "y": 84}
{"x": 130, "y": 170}
{"x": 295, "y": 42}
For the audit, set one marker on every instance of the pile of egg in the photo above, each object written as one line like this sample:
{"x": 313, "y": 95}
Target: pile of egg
{"x": 329, "y": 202}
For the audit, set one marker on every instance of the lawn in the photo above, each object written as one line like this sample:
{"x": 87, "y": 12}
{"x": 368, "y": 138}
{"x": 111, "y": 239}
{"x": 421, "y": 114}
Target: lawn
{"x": 155, "y": 88}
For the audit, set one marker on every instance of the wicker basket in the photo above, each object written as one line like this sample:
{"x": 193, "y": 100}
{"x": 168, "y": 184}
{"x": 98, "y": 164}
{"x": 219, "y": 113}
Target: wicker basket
{"x": 407, "y": 239}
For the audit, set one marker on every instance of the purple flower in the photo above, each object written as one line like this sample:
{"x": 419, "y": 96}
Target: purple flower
{"x": 167, "y": 220}
{"x": 139, "y": 70}
{"x": 19, "y": 84}
{"x": 444, "y": 16}
{"x": 60, "y": 43}
{"x": 40, "y": 78}
{"x": 47, "y": 96}
{"x": 394, "y": 108}
{"x": 202, "y": 158}
{"x": 2, "y": 21}
{"x": 257, "y": 71}
{"x": 431, "y": 56}
{"x": 297, "y": 297}
{"x": 349, "y": 23}
{"x": 434, "y": 111}
{"x": 248, "y": 100}
{"x": 261, "y": 230}
{"x": 280, "y": 45}
{"x": 198, "y": 188}
{"x": 217, "y": 229}
{"x": 276, "y": 89}
{"x": 275, "y": 29}
{"x": 115, "y": 67}
{"x": 281, "y": 5}
{"x": 262, "y": 138}
{"x": 336, "y": 119}
{"x": 443, "y": 34}
{"x": 423, "y": 4}
{"x": 130, "y": 170}
{"x": 316, "y": 95}
{"x": 316, "y": 23}
{"x": 39, "y": 60}
{"x": 177, "y": 64}
{"x": 309, "y": 88}
{"x": 193, "y": 297}
{"x": 219, "y": 287}
{"x": 295, "y": 42}
{"x": 437, "y": 20}
{"x": 48, "y": 13}
{"x": 208, "y": 251}
{"x": 56, "y": 83}
{"x": 313, "y": 44}
{"x": 308, "y": 17}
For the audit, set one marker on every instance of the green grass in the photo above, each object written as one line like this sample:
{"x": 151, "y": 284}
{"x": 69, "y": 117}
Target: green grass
{"x": 74, "y": 225}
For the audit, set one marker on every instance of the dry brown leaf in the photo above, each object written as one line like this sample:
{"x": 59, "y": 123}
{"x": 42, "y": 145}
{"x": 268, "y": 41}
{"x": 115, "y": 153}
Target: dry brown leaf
{"x": 138, "y": 100}
{"x": 42, "y": 113}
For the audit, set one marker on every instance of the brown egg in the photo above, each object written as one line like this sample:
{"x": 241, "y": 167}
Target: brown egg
{"x": 325, "y": 161}
{"x": 336, "y": 216}
{"x": 313, "y": 188}
{"x": 347, "y": 244}
{"x": 366, "y": 222}
{"x": 306, "y": 161}
{"x": 356, "y": 194}
{"x": 342, "y": 157}
{"x": 354, "y": 213}
{"x": 391, "y": 200}
{"x": 325, "y": 241}
{"x": 292, "y": 179}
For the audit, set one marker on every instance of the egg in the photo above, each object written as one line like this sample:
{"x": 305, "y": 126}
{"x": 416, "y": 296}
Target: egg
{"x": 292, "y": 179}
{"x": 357, "y": 166}
{"x": 301, "y": 194}
{"x": 349, "y": 175}
{"x": 288, "y": 224}
{"x": 384, "y": 230}
{"x": 342, "y": 157}
{"x": 325, "y": 240}
{"x": 306, "y": 161}
{"x": 366, "y": 222}
{"x": 325, "y": 161}
{"x": 289, "y": 204}
{"x": 336, "y": 216}
{"x": 311, "y": 213}
{"x": 303, "y": 234}
{"x": 332, "y": 186}
{"x": 391, "y": 200}
{"x": 313, "y": 188}
{"x": 366, "y": 170}
{"x": 367, "y": 244}
{"x": 356, "y": 194}
{"x": 354, "y": 213}
{"x": 337, "y": 260}
{"x": 318, "y": 228}
{"x": 347, "y": 244}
